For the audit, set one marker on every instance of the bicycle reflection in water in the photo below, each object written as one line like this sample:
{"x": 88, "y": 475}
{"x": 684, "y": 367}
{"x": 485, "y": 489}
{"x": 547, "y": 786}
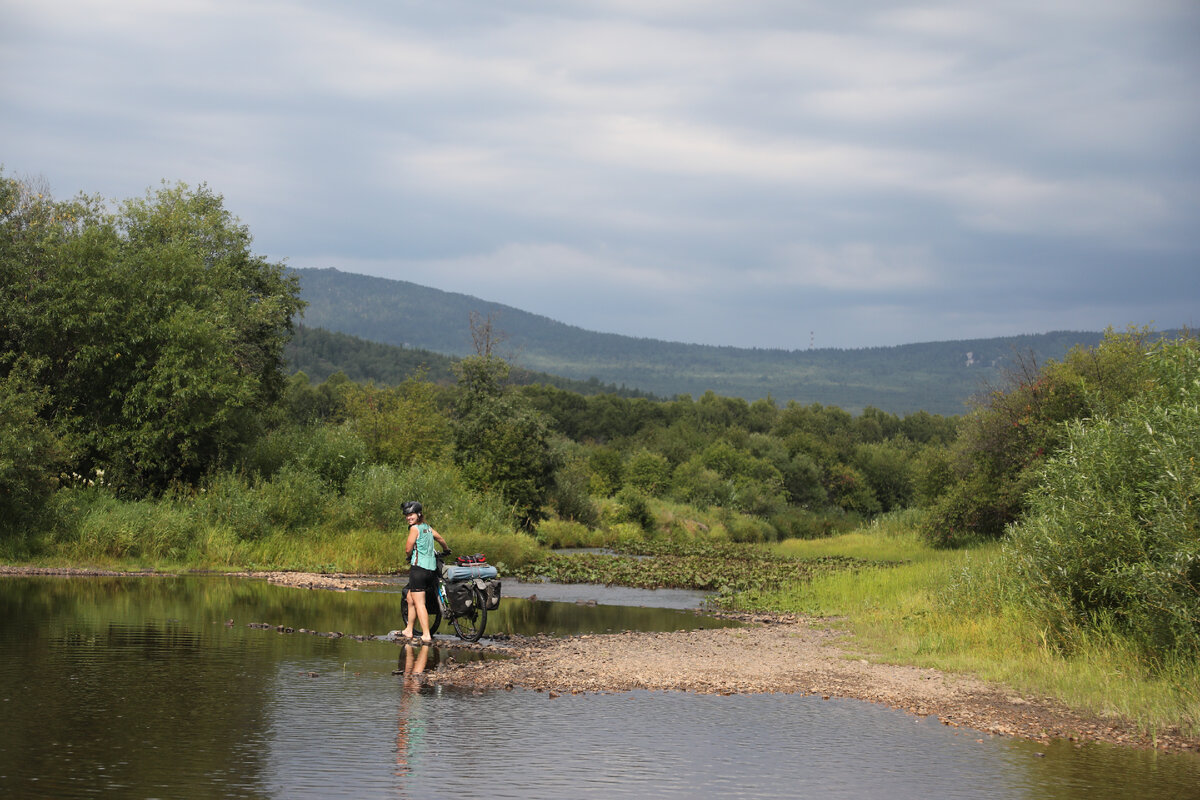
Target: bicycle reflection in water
{"x": 411, "y": 723}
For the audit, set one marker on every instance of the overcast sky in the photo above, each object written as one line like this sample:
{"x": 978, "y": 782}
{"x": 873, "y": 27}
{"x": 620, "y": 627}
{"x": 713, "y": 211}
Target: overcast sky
{"x": 751, "y": 173}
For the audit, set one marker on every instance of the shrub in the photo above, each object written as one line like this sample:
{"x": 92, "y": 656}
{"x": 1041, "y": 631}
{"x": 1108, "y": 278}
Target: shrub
{"x": 374, "y": 495}
{"x": 698, "y": 485}
{"x": 797, "y": 523}
{"x": 634, "y": 508}
{"x": 556, "y": 533}
{"x": 887, "y": 467}
{"x": 450, "y": 502}
{"x": 227, "y": 500}
{"x": 30, "y": 452}
{"x": 295, "y": 499}
{"x": 649, "y": 473}
{"x": 848, "y": 490}
{"x": 571, "y": 498}
{"x": 331, "y": 452}
{"x": 747, "y": 529}
{"x": 1008, "y": 435}
{"x": 607, "y": 471}
{"x": 1113, "y": 533}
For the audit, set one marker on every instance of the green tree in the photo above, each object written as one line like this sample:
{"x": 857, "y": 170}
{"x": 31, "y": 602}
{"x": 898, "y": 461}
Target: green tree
{"x": 156, "y": 330}
{"x": 501, "y": 443}
{"x": 400, "y": 425}
{"x": 608, "y": 470}
{"x": 1007, "y": 437}
{"x": 31, "y": 455}
{"x": 888, "y": 468}
{"x": 649, "y": 473}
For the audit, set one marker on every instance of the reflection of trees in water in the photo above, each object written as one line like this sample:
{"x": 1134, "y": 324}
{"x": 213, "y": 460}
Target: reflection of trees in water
{"x": 411, "y": 724}
{"x": 118, "y": 667}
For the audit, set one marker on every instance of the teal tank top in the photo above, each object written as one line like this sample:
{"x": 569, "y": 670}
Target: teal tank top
{"x": 423, "y": 551}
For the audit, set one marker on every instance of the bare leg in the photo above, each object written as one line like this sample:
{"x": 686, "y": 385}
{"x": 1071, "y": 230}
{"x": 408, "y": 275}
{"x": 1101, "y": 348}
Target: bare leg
{"x": 412, "y": 616}
{"x": 422, "y": 614}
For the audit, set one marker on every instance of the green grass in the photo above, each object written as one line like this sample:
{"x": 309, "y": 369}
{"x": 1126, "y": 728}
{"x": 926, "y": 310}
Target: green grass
{"x": 948, "y": 610}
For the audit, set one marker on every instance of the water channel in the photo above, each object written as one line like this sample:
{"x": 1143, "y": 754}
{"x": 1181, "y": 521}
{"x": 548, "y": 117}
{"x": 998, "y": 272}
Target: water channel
{"x": 158, "y": 687}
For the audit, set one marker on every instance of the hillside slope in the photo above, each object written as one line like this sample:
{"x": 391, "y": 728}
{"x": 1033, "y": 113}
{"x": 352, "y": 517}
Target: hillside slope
{"x": 937, "y": 377}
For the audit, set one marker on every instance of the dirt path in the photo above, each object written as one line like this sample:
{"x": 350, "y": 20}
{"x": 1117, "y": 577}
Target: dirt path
{"x": 770, "y": 653}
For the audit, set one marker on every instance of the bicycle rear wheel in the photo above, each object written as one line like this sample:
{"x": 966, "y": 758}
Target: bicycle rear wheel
{"x": 431, "y": 605}
{"x": 470, "y": 626}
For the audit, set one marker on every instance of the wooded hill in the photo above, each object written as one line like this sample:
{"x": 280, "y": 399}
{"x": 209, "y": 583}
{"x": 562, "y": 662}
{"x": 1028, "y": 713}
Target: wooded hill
{"x": 938, "y": 377}
{"x": 319, "y": 353}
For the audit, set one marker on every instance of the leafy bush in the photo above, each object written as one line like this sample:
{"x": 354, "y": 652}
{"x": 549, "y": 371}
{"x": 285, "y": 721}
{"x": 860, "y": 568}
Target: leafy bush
{"x": 31, "y": 454}
{"x": 798, "y": 523}
{"x": 374, "y": 495}
{"x": 329, "y": 451}
{"x": 400, "y": 425}
{"x": 1113, "y": 533}
{"x": 749, "y": 529}
{"x": 228, "y": 500}
{"x": 451, "y": 503}
{"x": 849, "y": 490}
{"x": 698, "y": 485}
{"x": 571, "y": 498}
{"x": 556, "y": 533}
{"x": 295, "y": 499}
{"x": 888, "y": 469}
{"x": 1008, "y": 436}
{"x": 634, "y": 508}
{"x": 649, "y": 473}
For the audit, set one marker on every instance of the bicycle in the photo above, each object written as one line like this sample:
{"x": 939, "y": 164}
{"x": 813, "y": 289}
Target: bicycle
{"x": 468, "y": 625}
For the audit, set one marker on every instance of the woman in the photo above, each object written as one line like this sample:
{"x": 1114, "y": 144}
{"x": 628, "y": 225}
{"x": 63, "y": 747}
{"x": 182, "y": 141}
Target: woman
{"x": 422, "y": 572}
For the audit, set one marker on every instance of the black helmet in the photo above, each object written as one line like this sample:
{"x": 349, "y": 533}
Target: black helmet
{"x": 411, "y": 507}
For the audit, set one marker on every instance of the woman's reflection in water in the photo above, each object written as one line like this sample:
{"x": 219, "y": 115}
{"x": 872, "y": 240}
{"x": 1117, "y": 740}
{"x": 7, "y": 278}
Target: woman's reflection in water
{"x": 410, "y": 725}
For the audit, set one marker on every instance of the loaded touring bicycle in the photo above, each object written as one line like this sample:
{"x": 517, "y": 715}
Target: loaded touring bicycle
{"x": 466, "y": 591}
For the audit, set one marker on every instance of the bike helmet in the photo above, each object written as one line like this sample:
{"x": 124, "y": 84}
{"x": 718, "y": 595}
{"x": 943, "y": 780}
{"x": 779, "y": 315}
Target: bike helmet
{"x": 411, "y": 507}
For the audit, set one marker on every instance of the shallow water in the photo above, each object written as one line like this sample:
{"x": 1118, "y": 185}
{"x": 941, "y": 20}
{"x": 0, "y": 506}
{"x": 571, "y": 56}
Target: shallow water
{"x": 143, "y": 688}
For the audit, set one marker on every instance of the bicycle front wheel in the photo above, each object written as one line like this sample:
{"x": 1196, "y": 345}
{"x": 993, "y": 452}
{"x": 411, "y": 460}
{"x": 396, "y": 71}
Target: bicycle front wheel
{"x": 469, "y": 626}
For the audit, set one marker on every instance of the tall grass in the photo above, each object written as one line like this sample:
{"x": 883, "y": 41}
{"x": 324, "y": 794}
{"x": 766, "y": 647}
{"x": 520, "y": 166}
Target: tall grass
{"x": 294, "y": 519}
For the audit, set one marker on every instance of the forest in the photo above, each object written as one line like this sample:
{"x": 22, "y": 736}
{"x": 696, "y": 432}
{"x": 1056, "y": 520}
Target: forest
{"x": 148, "y": 416}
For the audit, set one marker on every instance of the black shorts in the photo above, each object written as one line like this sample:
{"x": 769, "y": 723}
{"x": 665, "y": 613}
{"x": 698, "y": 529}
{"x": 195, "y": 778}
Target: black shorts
{"x": 421, "y": 579}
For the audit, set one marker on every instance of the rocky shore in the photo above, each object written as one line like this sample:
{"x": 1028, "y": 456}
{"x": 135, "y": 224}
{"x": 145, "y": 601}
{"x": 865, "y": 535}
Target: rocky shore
{"x": 783, "y": 654}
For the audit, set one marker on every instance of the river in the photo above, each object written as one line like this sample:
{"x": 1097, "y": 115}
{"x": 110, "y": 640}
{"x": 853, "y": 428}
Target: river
{"x": 159, "y": 687}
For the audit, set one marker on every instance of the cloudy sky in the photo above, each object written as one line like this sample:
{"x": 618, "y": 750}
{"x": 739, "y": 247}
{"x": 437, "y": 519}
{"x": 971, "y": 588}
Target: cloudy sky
{"x": 773, "y": 173}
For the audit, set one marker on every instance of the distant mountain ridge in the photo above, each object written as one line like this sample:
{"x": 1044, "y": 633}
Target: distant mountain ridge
{"x": 938, "y": 377}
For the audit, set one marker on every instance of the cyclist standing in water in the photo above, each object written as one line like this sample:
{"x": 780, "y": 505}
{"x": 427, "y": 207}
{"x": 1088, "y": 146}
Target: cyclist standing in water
{"x": 422, "y": 571}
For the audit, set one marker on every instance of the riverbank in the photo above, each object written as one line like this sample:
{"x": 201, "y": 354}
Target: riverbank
{"x": 769, "y": 653}
{"x": 784, "y": 654}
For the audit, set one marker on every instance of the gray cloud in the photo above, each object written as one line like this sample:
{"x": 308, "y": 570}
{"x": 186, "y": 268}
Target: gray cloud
{"x": 760, "y": 173}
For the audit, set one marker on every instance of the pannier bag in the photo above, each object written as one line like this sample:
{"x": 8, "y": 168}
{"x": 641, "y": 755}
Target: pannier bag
{"x": 478, "y": 558}
{"x": 490, "y": 592}
{"x": 466, "y": 572}
{"x": 460, "y": 596}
